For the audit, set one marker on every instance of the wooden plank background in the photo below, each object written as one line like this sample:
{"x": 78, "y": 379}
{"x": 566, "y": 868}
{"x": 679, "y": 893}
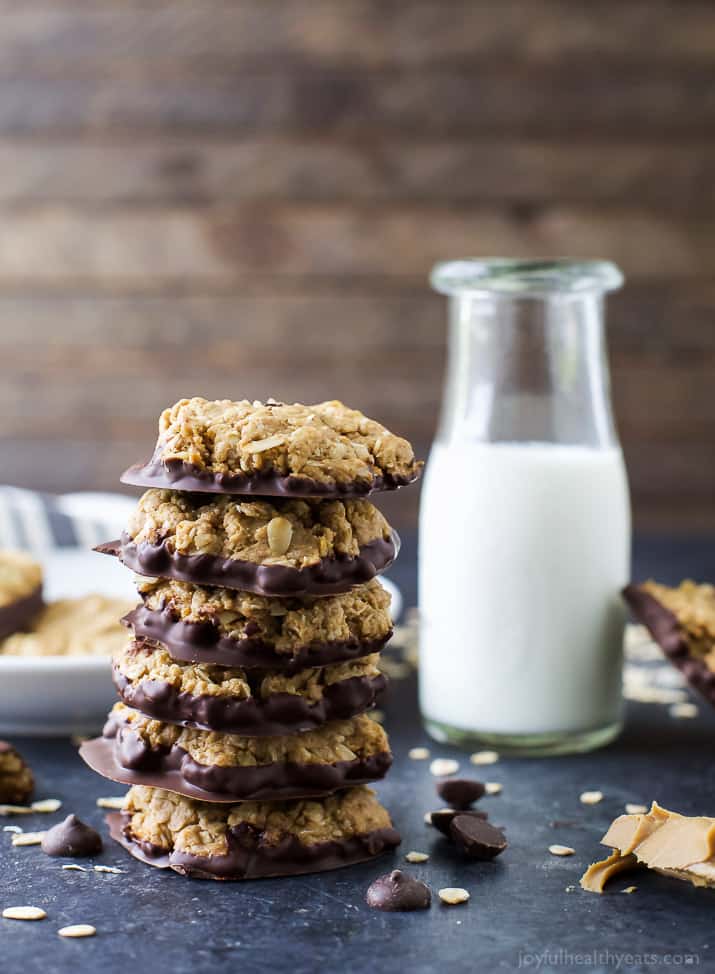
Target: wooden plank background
{"x": 244, "y": 198}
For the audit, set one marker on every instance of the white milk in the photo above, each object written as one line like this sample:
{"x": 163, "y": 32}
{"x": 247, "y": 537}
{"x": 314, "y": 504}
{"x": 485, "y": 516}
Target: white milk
{"x": 523, "y": 551}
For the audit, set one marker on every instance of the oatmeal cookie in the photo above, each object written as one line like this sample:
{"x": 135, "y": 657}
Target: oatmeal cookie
{"x": 274, "y": 449}
{"x": 20, "y": 591}
{"x": 16, "y": 780}
{"x": 210, "y": 766}
{"x": 253, "y": 839}
{"x": 295, "y": 547}
{"x": 198, "y": 624}
{"x": 682, "y": 621}
{"x": 88, "y": 626}
{"x": 237, "y": 701}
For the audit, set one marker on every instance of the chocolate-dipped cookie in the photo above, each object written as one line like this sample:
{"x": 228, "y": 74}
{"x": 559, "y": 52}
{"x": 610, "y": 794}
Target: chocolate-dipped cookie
{"x": 20, "y": 591}
{"x": 274, "y": 449}
{"x": 236, "y": 701}
{"x": 198, "y": 624}
{"x": 17, "y": 782}
{"x": 682, "y": 621}
{"x": 281, "y": 548}
{"x": 209, "y": 766}
{"x": 252, "y": 839}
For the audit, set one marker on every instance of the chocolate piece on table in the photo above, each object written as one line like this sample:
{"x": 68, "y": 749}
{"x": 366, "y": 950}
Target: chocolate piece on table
{"x": 442, "y": 819}
{"x": 17, "y": 782}
{"x": 682, "y": 621}
{"x": 274, "y": 449}
{"x": 252, "y": 839}
{"x": 675, "y": 845}
{"x": 460, "y": 792}
{"x": 398, "y": 891}
{"x": 72, "y": 837}
{"x": 476, "y": 838}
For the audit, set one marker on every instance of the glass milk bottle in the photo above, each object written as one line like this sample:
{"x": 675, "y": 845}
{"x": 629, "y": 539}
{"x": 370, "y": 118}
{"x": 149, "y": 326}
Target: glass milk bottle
{"x": 525, "y": 519}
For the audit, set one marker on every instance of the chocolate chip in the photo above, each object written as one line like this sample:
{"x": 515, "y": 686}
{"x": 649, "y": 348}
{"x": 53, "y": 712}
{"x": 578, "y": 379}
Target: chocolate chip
{"x": 475, "y": 838}
{"x": 460, "y": 792}
{"x": 398, "y": 891}
{"x": 71, "y": 838}
{"x": 443, "y": 818}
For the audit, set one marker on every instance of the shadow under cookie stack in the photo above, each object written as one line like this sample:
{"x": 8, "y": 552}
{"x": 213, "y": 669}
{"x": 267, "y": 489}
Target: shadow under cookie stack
{"x": 253, "y": 654}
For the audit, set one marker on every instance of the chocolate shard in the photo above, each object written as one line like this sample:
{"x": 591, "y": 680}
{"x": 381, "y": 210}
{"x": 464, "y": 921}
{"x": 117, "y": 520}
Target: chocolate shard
{"x": 443, "y": 818}
{"x": 398, "y": 892}
{"x": 72, "y": 837}
{"x": 475, "y": 838}
{"x": 460, "y": 792}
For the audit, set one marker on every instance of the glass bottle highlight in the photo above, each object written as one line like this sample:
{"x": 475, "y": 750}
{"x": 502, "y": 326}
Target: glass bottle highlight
{"x": 525, "y": 518}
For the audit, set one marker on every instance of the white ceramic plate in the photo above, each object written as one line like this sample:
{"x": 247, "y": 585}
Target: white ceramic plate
{"x": 63, "y": 695}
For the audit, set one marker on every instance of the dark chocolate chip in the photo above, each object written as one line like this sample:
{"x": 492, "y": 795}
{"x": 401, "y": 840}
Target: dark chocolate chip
{"x": 475, "y": 838}
{"x": 72, "y": 838}
{"x": 442, "y": 819}
{"x": 460, "y": 792}
{"x": 398, "y": 891}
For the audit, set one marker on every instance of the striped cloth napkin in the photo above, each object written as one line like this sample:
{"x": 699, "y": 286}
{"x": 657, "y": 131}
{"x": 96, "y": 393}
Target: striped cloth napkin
{"x": 37, "y": 522}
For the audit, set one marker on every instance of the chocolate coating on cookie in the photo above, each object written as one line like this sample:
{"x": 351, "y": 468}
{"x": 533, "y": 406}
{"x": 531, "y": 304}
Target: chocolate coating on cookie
{"x": 280, "y": 713}
{"x": 72, "y": 837}
{"x": 203, "y": 642}
{"x": 252, "y": 839}
{"x": 128, "y": 760}
{"x": 398, "y": 892}
{"x": 274, "y": 449}
{"x": 672, "y": 637}
{"x": 248, "y": 859}
{"x": 329, "y": 576}
{"x": 179, "y": 475}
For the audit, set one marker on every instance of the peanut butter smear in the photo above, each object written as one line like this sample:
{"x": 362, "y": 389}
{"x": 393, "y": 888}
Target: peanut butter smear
{"x": 672, "y": 844}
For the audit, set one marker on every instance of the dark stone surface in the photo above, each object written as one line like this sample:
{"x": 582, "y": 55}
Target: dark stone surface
{"x": 152, "y": 921}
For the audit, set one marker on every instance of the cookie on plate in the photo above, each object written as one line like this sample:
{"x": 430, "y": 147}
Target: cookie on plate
{"x": 252, "y": 839}
{"x": 274, "y": 449}
{"x": 198, "y": 624}
{"x": 237, "y": 701}
{"x": 682, "y": 621}
{"x": 20, "y": 591}
{"x": 211, "y": 766}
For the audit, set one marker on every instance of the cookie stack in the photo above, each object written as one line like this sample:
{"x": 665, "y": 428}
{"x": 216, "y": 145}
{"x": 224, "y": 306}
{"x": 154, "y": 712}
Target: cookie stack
{"x": 254, "y": 651}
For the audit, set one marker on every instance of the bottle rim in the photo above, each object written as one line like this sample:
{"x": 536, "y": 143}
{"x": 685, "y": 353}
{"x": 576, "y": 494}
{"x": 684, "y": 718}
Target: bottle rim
{"x": 523, "y": 277}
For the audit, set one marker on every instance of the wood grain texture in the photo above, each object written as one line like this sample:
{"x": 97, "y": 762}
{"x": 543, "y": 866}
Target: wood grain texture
{"x": 244, "y": 198}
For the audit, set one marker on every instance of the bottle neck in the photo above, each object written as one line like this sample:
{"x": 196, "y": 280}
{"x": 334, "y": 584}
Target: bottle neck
{"x": 528, "y": 369}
